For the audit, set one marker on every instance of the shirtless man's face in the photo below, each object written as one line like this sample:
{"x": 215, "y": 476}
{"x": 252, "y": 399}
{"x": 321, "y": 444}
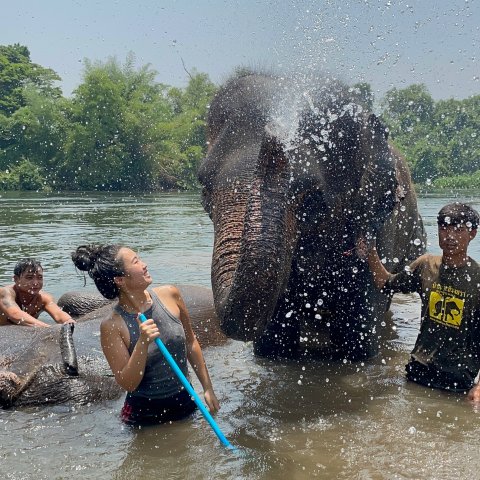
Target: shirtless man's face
{"x": 30, "y": 281}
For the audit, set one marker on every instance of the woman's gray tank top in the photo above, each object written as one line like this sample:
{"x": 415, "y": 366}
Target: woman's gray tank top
{"x": 159, "y": 380}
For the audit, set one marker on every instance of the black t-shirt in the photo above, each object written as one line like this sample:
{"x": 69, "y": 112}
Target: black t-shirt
{"x": 449, "y": 338}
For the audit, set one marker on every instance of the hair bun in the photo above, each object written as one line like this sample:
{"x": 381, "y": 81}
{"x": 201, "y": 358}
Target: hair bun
{"x": 84, "y": 257}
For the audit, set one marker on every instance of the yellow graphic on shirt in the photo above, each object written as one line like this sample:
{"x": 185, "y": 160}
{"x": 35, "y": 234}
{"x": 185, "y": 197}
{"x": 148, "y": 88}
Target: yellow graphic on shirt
{"x": 446, "y": 305}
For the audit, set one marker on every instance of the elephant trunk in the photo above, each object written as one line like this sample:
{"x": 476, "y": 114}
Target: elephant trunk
{"x": 67, "y": 349}
{"x": 265, "y": 237}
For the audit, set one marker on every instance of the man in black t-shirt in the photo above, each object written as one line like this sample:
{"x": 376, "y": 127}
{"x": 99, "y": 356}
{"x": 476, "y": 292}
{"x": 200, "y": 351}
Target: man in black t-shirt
{"x": 447, "y": 351}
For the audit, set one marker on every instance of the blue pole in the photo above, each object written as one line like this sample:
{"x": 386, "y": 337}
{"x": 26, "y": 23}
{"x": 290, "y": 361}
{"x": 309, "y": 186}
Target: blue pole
{"x": 171, "y": 361}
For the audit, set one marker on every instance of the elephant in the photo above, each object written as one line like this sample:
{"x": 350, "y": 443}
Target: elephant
{"x": 64, "y": 364}
{"x": 295, "y": 174}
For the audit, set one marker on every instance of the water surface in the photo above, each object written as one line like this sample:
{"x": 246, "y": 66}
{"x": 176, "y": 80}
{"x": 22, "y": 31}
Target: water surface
{"x": 293, "y": 420}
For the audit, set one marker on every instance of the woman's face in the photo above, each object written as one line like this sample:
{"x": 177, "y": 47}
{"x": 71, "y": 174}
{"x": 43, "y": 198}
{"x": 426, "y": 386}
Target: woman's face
{"x": 136, "y": 271}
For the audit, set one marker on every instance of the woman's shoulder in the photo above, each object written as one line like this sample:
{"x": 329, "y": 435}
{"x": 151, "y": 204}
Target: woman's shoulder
{"x": 114, "y": 321}
{"x": 167, "y": 291}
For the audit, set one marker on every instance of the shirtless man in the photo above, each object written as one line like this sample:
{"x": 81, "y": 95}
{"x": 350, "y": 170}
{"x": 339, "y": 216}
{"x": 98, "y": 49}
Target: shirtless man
{"x": 22, "y": 302}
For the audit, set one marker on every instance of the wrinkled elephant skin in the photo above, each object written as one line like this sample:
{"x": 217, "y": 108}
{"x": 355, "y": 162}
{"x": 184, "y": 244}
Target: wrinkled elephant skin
{"x": 294, "y": 176}
{"x": 55, "y": 366}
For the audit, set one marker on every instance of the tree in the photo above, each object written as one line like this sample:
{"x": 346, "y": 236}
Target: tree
{"x": 115, "y": 116}
{"x": 185, "y": 135}
{"x": 405, "y": 110}
{"x": 439, "y": 139}
{"x": 16, "y": 72}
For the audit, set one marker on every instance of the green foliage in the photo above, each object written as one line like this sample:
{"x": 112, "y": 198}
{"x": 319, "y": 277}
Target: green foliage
{"x": 439, "y": 139}
{"x": 130, "y": 133}
{"x": 35, "y": 131}
{"x": 25, "y": 175}
{"x": 122, "y": 130}
{"x": 459, "y": 182}
{"x": 17, "y": 72}
{"x": 184, "y": 136}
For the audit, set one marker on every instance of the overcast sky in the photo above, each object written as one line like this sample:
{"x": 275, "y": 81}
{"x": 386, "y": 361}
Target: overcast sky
{"x": 387, "y": 43}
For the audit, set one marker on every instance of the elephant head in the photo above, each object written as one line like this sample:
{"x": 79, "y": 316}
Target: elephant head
{"x": 293, "y": 176}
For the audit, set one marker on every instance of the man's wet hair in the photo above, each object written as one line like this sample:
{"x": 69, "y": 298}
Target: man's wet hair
{"x": 458, "y": 214}
{"x": 26, "y": 264}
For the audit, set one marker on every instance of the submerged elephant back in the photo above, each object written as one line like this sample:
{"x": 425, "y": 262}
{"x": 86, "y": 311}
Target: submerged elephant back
{"x": 78, "y": 303}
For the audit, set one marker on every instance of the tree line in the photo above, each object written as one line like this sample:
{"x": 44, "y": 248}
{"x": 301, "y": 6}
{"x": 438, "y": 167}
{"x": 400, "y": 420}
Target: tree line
{"x": 122, "y": 130}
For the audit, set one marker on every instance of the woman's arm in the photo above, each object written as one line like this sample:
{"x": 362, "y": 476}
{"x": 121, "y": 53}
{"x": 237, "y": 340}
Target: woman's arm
{"x": 128, "y": 370}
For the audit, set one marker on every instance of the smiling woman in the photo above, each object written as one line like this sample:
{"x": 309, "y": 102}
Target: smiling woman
{"x": 155, "y": 394}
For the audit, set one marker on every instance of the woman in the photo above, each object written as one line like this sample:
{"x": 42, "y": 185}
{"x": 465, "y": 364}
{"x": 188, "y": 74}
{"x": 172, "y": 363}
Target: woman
{"x": 155, "y": 395}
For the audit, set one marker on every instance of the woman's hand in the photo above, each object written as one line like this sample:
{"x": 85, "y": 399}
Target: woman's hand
{"x": 148, "y": 330}
{"x": 211, "y": 400}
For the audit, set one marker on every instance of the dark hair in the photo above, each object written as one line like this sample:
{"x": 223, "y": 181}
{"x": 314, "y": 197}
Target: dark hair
{"x": 458, "y": 214}
{"x": 26, "y": 264}
{"x": 102, "y": 264}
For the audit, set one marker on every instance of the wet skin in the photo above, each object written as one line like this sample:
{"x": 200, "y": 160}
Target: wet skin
{"x": 22, "y": 302}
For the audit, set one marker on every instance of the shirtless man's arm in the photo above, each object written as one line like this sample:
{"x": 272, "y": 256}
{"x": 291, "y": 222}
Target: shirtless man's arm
{"x": 54, "y": 310}
{"x": 10, "y": 312}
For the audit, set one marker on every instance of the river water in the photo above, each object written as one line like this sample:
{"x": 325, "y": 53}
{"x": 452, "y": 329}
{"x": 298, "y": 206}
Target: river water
{"x": 307, "y": 420}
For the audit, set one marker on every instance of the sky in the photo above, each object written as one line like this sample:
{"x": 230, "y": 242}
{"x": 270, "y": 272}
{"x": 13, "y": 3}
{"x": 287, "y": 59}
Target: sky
{"x": 387, "y": 43}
